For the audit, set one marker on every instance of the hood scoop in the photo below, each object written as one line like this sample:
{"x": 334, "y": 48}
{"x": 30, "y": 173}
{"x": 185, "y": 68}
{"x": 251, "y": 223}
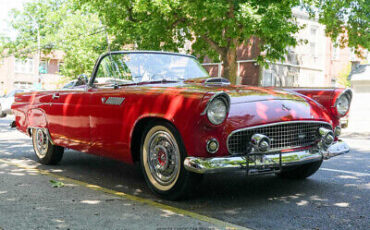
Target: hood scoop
{"x": 216, "y": 81}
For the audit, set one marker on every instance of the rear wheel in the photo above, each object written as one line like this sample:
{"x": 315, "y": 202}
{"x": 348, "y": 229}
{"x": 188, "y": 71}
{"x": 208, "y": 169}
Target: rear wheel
{"x": 161, "y": 157}
{"x": 46, "y": 152}
{"x": 300, "y": 172}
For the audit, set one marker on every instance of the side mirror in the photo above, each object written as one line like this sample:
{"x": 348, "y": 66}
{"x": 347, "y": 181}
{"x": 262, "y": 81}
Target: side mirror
{"x": 81, "y": 80}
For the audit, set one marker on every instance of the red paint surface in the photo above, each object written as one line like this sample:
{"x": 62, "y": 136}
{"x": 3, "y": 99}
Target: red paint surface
{"x": 79, "y": 120}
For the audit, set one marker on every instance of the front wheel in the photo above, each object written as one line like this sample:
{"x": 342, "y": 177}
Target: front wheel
{"x": 300, "y": 172}
{"x": 161, "y": 157}
{"x": 46, "y": 152}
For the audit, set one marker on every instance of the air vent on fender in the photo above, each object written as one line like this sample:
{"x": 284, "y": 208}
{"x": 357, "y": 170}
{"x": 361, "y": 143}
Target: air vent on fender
{"x": 217, "y": 81}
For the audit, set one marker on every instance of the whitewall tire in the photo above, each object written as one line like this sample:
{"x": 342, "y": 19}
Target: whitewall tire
{"x": 46, "y": 152}
{"x": 162, "y": 154}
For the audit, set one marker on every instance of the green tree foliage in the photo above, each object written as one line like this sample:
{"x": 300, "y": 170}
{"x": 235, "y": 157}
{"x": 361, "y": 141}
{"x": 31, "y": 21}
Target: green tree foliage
{"x": 342, "y": 77}
{"x": 59, "y": 26}
{"x": 217, "y": 27}
{"x": 347, "y": 21}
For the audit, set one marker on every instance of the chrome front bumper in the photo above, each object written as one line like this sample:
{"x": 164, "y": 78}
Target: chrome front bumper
{"x": 260, "y": 164}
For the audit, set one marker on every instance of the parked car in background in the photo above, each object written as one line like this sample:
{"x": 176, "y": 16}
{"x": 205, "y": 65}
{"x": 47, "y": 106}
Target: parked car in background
{"x": 163, "y": 111}
{"x": 7, "y": 101}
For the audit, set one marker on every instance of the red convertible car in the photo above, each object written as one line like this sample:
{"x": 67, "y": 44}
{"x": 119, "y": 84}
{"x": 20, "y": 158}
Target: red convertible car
{"x": 164, "y": 111}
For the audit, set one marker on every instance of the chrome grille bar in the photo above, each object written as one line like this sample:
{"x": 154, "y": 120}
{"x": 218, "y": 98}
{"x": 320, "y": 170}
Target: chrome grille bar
{"x": 283, "y": 135}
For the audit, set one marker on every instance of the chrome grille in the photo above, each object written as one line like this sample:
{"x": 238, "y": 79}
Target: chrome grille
{"x": 285, "y": 135}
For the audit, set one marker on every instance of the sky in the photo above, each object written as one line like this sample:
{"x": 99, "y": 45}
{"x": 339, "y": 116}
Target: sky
{"x": 5, "y": 7}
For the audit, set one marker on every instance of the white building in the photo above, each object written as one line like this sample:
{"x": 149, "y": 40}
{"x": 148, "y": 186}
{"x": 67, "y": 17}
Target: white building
{"x": 305, "y": 64}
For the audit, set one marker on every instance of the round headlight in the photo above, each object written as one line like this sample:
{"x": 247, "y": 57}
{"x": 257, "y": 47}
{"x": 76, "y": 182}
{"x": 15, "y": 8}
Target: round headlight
{"x": 217, "y": 111}
{"x": 342, "y": 105}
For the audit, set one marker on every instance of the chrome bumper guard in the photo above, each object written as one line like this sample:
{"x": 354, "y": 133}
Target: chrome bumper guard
{"x": 262, "y": 164}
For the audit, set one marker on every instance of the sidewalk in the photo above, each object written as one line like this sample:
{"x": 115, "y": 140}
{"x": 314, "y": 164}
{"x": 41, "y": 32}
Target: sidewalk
{"x": 28, "y": 201}
{"x": 359, "y": 116}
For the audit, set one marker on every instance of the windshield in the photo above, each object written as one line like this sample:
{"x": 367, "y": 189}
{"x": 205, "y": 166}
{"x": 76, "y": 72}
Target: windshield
{"x": 69, "y": 84}
{"x": 126, "y": 68}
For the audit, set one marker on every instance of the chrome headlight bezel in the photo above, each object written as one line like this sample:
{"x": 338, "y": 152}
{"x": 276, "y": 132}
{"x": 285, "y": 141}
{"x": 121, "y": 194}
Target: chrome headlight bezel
{"x": 219, "y": 103}
{"x": 344, "y": 98}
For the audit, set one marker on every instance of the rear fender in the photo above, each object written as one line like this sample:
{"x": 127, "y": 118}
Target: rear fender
{"x": 36, "y": 119}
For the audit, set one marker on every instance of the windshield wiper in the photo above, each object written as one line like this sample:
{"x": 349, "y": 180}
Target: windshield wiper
{"x": 150, "y": 82}
{"x": 158, "y": 81}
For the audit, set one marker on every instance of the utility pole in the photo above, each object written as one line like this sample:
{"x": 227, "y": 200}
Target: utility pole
{"x": 38, "y": 48}
{"x": 38, "y": 44}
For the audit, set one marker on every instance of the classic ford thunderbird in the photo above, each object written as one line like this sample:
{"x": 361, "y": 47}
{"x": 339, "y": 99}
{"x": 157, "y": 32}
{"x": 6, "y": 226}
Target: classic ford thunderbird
{"x": 163, "y": 111}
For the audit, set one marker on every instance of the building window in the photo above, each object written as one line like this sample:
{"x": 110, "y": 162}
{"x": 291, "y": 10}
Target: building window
{"x": 313, "y": 41}
{"x": 43, "y": 67}
{"x": 60, "y": 66}
{"x": 313, "y": 32}
{"x": 23, "y": 66}
{"x": 311, "y": 78}
{"x": 335, "y": 52}
{"x": 22, "y": 85}
{"x": 313, "y": 49}
{"x": 268, "y": 78}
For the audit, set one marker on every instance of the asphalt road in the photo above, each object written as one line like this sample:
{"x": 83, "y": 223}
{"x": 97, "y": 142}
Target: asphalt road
{"x": 336, "y": 197}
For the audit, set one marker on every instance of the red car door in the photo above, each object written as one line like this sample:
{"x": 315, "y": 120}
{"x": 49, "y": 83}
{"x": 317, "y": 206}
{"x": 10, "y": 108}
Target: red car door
{"x": 69, "y": 119}
{"x": 107, "y": 123}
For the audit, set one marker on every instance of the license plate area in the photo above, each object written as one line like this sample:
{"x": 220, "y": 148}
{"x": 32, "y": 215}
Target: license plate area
{"x": 258, "y": 163}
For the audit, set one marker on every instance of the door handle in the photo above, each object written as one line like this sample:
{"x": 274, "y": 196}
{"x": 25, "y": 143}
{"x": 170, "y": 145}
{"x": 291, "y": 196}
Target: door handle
{"x": 55, "y": 96}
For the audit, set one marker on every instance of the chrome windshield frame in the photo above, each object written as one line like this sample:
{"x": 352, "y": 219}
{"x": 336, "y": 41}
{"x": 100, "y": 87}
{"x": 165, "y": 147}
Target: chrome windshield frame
{"x": 95, "y": 69}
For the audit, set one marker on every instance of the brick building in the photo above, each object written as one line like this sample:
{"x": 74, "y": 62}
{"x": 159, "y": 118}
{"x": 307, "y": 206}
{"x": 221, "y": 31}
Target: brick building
{"x": 316, "y": 63}
{"x": 18, "y": 73}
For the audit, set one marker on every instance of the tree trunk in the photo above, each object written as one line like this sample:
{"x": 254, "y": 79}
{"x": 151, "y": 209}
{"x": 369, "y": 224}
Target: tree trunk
{"x": 230, "y": 65}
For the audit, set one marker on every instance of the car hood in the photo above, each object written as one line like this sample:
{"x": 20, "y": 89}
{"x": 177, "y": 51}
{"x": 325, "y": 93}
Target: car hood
{"x": 251, "y": 105}
{"x": 249, "y": 94}
{"x": 237, "y": 93}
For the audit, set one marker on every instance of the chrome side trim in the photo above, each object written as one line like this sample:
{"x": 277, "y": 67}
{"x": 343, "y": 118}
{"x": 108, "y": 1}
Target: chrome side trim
{"x": 271, "y": 124}
{"x": 268, "y": 163}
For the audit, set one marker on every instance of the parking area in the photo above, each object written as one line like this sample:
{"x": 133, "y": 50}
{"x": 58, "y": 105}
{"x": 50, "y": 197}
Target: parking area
{"x": 104, "y": 193}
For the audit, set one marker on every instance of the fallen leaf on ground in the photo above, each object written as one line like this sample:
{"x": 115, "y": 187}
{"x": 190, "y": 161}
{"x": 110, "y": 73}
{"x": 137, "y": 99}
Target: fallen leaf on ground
{"x": 56, "y": 184}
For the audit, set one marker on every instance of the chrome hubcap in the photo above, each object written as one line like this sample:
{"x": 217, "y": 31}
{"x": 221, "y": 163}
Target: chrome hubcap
{"x": 162, "y": 157}
{"x": 41, "y": 143}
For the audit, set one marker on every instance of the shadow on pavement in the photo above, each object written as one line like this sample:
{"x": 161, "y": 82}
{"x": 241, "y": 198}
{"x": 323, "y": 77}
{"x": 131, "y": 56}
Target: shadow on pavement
{"x": 327, "y": 200}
